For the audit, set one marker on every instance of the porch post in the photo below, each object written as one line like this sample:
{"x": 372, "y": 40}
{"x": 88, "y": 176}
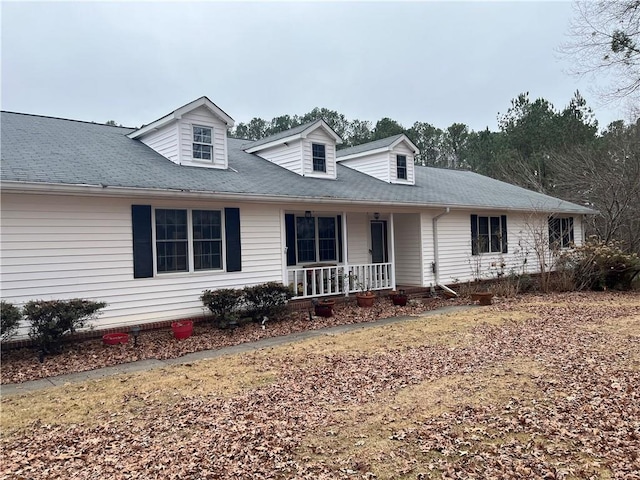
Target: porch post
{"x": 392, "y": 247}
{"x": 345, "y": 255}
{"x": 283, "y": 242}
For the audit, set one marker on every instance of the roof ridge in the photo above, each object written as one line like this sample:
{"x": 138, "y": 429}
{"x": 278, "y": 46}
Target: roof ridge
{"x": 65, "y": 119}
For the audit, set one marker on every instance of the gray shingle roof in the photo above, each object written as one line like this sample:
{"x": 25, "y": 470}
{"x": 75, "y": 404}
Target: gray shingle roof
{"x": 279, "y": 135}
{"x": 38, "y": 149}
{"x": 365, "y": 147}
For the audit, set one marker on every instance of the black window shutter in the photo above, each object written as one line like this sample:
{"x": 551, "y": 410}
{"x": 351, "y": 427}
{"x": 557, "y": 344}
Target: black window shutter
{"x": 290, "y": 234}
{"x": 142, "y": 247}
{"x": 339, "y": 220}
{"x": 503, "y": 221}
{"x": 232, "y": 239}
{"x": 474, "y": 234}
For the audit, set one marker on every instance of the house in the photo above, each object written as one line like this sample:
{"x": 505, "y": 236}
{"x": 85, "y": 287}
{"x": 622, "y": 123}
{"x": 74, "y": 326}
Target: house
{"x": 146, "y": 219}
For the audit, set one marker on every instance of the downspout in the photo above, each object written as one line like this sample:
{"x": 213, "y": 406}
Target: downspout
{"x": 435, "y": 265}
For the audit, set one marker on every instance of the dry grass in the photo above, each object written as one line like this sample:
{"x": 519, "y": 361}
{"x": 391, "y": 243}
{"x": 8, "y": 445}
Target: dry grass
{"x": 88, "y": 401}
{"x": 369, "y": 432}
{"x": 396, "y": 431}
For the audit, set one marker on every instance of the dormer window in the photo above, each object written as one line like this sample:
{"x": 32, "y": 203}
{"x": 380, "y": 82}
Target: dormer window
{"x": 401, "y": 167}
{"x": 319, "y": 157}
{"x": 202, "y": 146}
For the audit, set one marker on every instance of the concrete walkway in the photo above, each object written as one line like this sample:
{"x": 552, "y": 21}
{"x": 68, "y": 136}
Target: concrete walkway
{"x": 150, "y": 364}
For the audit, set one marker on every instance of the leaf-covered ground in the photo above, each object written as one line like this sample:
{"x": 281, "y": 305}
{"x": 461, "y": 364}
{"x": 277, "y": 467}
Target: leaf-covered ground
{"x": 539, "y": 387}
{"x": 23, "y": 365}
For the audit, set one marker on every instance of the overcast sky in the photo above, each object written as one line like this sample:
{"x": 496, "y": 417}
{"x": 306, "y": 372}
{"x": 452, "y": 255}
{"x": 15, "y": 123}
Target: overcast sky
{"x": 433, "y": 62}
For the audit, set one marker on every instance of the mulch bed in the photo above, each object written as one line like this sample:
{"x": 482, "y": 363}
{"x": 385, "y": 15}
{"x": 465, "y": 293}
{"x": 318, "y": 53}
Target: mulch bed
{"x": 22, "y": 365}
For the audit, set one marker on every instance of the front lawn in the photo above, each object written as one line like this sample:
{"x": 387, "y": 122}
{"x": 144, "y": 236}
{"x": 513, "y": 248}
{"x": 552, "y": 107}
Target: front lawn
{"x": 539, "y": 387}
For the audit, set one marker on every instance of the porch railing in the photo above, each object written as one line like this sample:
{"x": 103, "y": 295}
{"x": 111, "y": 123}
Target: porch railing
{"x": 318, "y": 281}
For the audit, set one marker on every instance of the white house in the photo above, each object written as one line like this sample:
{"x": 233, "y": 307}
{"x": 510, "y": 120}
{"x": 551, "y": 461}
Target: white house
{"x": 146, "y": 219}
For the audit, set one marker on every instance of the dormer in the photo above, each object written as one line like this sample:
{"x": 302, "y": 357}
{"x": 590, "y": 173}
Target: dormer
{"x": 308, "y": 150}
{"x": 193, "y": 135}
{"x": 390, "y": 159}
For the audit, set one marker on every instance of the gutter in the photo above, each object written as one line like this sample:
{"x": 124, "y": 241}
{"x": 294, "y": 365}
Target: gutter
{"x": 435, "y": 264}
{"x": 14, "y": 186}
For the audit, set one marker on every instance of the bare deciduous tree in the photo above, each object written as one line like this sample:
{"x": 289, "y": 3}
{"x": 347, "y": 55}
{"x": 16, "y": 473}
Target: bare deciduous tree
{"x": 604, "y": 39}
{"x": 606, "y": 177}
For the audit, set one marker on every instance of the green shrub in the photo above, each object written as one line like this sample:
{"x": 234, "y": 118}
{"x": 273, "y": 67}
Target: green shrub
{"x": 597, "y": 265}
{"x": 10, "y": 317}
{"x": 223, "y": 303}
{"x": 51, "y": 320}
{"x": 266, "y": 300}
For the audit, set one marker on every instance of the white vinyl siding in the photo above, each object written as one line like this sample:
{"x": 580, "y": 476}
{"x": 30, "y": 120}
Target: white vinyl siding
{"x": 382, "y": 165}
{"x": 320, "y": 137}
{"x": 457, "y": 264}
{"x": 286, "y": 156}
{"x": 62, "y": 247}
{"x": 202, "y": 117}
{"x": 376, "y": 165}
{"x": 408, "y": 256}
{"x": 358, "y": 233}
{"x": 426, "y": 228}
{"x": 164, "y": 141}
{"x": 402, "y": 149}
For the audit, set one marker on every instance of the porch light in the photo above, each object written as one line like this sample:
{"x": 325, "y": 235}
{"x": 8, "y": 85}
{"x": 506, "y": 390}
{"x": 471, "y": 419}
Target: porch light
{"x": 376, "y": 215}
{"x": 307, "y": 214}
{"x": 135, "y": 331}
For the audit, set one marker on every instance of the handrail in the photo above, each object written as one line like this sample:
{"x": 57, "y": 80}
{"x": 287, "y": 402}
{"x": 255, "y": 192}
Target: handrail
{"x": 318, "y": 281}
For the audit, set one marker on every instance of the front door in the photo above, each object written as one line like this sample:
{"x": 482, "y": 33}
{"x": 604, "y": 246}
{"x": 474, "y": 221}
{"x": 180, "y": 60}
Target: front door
{"x": 379, "y": 241}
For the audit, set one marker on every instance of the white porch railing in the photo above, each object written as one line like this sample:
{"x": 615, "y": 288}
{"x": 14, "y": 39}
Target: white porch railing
{"x": 320, "y": 281}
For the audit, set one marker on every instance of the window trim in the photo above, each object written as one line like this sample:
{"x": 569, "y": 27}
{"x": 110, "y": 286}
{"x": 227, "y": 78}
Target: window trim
{"x": 559, "y": 244}
{"x": 400, "y": 168}
{"x": 503, "y": 247}
{"x": 194, "y": 143}
{"x": 190, "y": 243}
{"x": 323, "y": 158}
{"x": 316, "y": 240}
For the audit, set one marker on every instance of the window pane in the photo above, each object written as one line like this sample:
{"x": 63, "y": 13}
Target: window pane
{"x": 306, "y": 239}
{"x": 327, "y": 238}
{"x": 401, "y": 162}
{"x": 171, "y": 240}
{"x": 207, "y": 239}
{"x": 496, "y": 235}
{"x": 554, "y": 233}
{"x": 201, "y": 134}
{"x": 483, "y": 234}
{"x": 319, "y": 157}
{"x": 567, "y": 232}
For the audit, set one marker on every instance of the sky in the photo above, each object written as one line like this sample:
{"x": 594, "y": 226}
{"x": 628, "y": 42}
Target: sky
{"x": 410, "y": 61}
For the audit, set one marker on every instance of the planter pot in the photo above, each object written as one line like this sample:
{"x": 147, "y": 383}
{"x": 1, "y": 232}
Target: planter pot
{"x": 365, "y": 300}
{"x": 483, "y": 298}
{"x": 115, "y": 338}
{"x": 392, "y": 294}
{"x": 400, "y": 300}
{"x": 182, "y": 330}
{"x": 324, "y": 308}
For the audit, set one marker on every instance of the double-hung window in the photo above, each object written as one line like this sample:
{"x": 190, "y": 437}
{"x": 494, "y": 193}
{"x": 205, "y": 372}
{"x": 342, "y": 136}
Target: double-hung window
{"x": 316, "y": 239}
{"x": 202, "y": 143}
{"x": 560, "y": 232}
{"x": 488, "y": 234}
{"x": 188, "y": 240}
{"x": 401, "y": 167}
{"x": 319, "y": 155}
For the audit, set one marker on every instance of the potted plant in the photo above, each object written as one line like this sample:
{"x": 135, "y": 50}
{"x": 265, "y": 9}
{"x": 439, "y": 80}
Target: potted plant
{"x": 365, "y": 296}
{"x": 400, "y": 298}
{"x": 182, "y": 329}
{"x": 324, "y": 308}
{"x": 483, "y": 298}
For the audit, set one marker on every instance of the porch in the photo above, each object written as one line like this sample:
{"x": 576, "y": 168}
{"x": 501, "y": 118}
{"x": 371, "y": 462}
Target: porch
{"x": 325, "y": 280}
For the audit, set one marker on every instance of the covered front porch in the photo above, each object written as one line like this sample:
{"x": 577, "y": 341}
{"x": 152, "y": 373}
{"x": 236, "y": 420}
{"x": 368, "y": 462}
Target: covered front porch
{"x": 341, "y": 253}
